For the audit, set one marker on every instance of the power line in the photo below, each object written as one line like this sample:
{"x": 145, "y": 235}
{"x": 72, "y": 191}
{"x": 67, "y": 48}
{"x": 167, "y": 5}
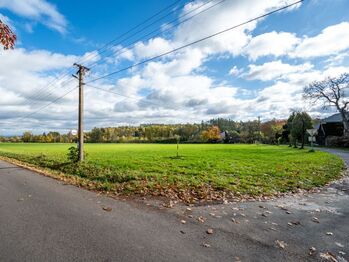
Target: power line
{"x": 119, "y": 94}
{"x": 106, "y": 46}
{"x": 169, "y": 26}
{"x": 169, "y": 52}
{"x": 139, "y": 25}
{"x": 139, "y": 39}
{"x": 154, "y": 31}
{"x": 37, "y": 99}
{"x": 195, "y": 42}
{"x": 52, "y": 102}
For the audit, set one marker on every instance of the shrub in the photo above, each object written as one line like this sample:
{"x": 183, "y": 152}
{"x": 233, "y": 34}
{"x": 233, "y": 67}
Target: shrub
{"x": 73, "y": 154}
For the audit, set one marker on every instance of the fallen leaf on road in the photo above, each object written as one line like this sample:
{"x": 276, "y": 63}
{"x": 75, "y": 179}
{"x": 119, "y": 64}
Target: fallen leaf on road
{"x": 315, "y": 219}
{"x": 282, "y": 207}
{"x": 169, "y": 204}
{"x": 294, "y": 223}
{"x": 209, "y": 231}
{"x": 108, "y": 209}
{"x": 312, "y": 251}
{"x": 281, "y": 244}
{"x": 201, "y": 219}
{"x": 328, "y": 256}
{"x": 235, "y": 221}
{"x": 339, "y": 244}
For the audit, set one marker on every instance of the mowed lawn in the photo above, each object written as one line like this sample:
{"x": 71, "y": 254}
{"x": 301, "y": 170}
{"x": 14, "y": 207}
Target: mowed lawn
{"x": 240, "y": 169}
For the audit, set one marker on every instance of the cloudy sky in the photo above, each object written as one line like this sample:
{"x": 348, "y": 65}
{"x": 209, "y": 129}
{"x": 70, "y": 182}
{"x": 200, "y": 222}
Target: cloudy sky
{"x": 258, "y": 69}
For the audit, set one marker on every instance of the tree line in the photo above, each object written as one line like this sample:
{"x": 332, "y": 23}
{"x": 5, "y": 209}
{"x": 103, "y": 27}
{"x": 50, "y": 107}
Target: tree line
{"x": 219, "y": 130}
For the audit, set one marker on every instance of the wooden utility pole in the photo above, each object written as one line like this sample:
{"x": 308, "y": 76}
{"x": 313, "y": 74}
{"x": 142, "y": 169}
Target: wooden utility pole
{"x": 81, "y": 73}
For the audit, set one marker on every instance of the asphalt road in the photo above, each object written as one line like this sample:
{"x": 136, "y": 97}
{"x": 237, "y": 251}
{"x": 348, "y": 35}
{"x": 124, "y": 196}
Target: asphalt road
{"x": 42, "y": 219}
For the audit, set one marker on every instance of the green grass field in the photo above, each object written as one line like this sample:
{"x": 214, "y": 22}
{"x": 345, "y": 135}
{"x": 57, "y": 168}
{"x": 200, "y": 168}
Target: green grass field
{"x": 154, "y": 168}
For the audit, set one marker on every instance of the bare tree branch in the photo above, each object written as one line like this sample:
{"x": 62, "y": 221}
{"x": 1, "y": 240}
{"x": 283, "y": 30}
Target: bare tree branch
{"x": 331, "y": 92}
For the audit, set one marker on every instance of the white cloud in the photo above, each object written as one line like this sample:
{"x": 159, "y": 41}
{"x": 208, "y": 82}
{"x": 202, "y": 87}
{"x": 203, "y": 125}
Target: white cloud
{"x": 330, "y": 41}
{"x": 20, "y": 59}
{"x": 274, "y": 70}
{"x": 180, "y": 64}
{"x": 25, "y": 78}
{"x": 277, "y": 100}
{"x": 338, "y": 59}
{"x": 153, "y": 47}
{"x": 221, "y": 17}
{"x": 235, "y": 71}
{"x": 38, "y": 10}
{"x": 272, "y": 43}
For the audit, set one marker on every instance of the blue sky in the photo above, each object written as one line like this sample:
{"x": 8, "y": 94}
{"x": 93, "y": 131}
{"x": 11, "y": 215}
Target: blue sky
{"x": 256, "y": 70}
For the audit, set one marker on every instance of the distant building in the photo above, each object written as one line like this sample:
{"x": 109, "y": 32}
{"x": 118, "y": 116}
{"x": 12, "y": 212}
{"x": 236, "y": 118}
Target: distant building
{"x": 331, "y": 126}
{"x": 223, "y": 135}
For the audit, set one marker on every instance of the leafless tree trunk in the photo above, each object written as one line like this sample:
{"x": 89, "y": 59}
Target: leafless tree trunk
{"x": 333, "y": 91}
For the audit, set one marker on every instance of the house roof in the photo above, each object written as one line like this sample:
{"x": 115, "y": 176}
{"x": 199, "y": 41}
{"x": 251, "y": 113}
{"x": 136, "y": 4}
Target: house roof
{"x": 336, "y": 118}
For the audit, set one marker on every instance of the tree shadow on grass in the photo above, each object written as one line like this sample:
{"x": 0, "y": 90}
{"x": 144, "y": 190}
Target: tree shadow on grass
{"x": 176, "y": 157}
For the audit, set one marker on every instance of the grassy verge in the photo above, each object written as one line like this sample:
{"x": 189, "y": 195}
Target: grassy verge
{"x": 201, "y": 171}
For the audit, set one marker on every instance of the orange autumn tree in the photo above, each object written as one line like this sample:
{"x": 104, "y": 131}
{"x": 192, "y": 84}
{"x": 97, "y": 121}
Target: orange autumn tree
{"x": 212, "y": 134}
{"x": 272, "y": 130}
{"x": 7, "y": 37}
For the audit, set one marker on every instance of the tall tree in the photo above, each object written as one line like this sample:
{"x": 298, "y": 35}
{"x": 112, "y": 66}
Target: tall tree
{"x": 333, "y": 91}
{"x": 288, "y": 130}
{"x": 27, "y": 137}
{"x": 7, "y": 37}
{"x": 300, "y": 123}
